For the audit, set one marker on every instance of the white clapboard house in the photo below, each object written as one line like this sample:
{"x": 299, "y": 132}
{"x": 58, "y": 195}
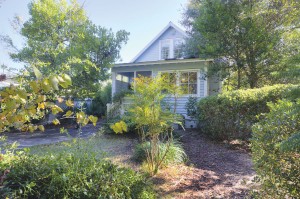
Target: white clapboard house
{"x": 164, "y": 55}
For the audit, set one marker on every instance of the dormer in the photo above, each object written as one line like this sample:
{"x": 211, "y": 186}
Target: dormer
{"x": 168, "y": 44}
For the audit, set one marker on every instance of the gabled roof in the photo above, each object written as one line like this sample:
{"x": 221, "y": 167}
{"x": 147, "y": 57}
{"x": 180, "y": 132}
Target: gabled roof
{"x": 170, "y": 24}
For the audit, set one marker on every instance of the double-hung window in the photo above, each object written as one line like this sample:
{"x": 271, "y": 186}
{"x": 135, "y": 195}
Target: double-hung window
{"x": 178, "y": 48}
{"x": 165, "y": 49}
{"x": 186, "y": 80}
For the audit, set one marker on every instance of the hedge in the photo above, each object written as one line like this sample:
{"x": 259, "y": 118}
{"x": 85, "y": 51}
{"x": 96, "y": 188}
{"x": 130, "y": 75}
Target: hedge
{"x": 276, "y": 150}
{"x": 230, "y": 115}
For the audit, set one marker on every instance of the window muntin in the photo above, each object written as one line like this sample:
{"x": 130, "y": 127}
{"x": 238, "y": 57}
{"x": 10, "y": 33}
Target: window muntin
{"x": 165, "y": 49}
{"x": 178, "y": 48}
{"x": 186, "y": 80}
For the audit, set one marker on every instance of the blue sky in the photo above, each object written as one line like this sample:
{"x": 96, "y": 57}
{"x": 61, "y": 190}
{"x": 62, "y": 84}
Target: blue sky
{"x": 144, "y": 19}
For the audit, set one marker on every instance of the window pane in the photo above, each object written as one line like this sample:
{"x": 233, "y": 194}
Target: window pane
{"x": 184, "y": 88}
{"x": 184, "y": 77}
{"x": 193, "y": 77}
{"x": 178, "y": 48}
{"x": 165, "y": 52}
{"x": 170, "y": 77}
{"x": 193, "y": 89}
{"x": 165, "y": 49}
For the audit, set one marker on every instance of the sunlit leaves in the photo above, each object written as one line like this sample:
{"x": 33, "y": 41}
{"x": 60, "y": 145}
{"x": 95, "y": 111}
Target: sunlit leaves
{"x": 69, "y": 103}
{"x": 37, "y": 73}
{"x": 54, "y": 82}
{"x": 31, "y": 100}
{"x": 56, "y": 109}
{"x": 119, "y": 127}
{"x": 41, "y": 128}
{"x": 93, "y": 119}
{"x": 55, "y": 122}
{"x": 68, "y": 114}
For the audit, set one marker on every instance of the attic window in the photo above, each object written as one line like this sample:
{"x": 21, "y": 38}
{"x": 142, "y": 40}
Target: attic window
{"x": 165, "y": 49}
{"x": 178, "y": 48}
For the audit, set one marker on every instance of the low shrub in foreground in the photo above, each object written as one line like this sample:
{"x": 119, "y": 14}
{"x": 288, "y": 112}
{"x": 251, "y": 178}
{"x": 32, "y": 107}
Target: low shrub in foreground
{"x": 230, "y": 115}
{"x": 174, "y": 152}
{"x": 69, "y": 175}
{"x": 276, "y": 150}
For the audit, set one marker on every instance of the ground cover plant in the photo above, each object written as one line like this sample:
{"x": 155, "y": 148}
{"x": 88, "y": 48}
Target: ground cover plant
{"x": 70, "y": 170}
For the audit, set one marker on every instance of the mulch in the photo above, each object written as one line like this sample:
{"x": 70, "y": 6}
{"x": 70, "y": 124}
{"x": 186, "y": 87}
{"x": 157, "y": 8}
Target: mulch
{"x": 214, "y": 170}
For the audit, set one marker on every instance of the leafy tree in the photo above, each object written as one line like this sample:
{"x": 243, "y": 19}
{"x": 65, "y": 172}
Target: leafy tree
{"x": 247, "y": 34}
{"x": 60, "y": 38}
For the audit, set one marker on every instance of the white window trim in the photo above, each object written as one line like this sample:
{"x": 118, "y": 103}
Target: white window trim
{"x": 178, "y": 81}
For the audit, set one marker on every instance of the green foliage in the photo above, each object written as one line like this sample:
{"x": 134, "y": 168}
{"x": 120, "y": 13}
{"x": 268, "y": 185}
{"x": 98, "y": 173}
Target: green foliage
{"x": 275, "y": 150}
{"x": 174, "y": 152}
{"x": 102, "y": 97}
{"x": 151, "y": 119}
{"x": 191, "y": 106}
{"x": 250, "y": 35}
{"x": 71, "y": 175}
{"x": 230, "y": 115}
{"x": 120, "y": 95}
{"x": 60, "y": 38}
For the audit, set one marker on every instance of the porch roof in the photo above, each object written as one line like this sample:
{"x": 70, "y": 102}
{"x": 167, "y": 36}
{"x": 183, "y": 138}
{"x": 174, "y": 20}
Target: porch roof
{"x": 159, "y": 63}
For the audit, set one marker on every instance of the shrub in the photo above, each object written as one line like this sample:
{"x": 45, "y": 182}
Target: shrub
{"x": 153, "y": 121}
{"x": 230, "y": 115}
{"x": 71, "y": 175}
{"x": 174, "y": 152}
{"x": 102, "y": 97}
{"x": 276, "y": 150}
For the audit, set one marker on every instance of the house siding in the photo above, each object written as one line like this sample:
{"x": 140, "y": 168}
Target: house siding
{"x": 152, "y": 53}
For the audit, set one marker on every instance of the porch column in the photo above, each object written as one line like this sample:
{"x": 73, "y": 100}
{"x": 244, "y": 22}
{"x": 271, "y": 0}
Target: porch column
{"x": 113, "y": 83}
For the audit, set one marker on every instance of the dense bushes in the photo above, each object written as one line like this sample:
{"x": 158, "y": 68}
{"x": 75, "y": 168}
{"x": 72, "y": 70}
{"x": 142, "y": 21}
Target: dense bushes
{"x": 230, "y": 115}
{"x": 276, "y": 150}
{"x": 102, "y": 97}
{"x": 71, "y": 175}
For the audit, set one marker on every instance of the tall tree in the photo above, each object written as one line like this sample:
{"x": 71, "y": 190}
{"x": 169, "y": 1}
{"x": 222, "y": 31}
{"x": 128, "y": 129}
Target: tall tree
{"x": 246, "y": 33}
{"x": 60, "y": 38}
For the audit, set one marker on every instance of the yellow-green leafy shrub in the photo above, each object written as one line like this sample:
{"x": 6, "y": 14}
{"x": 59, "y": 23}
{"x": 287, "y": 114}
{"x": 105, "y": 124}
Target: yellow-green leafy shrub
{"x": 230, "y": 115}
{"x": 276, "y": 150}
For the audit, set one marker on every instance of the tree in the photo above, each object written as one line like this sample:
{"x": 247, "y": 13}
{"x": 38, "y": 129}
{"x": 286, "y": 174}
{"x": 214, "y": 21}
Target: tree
{"x": 60, "y": 38}
{"x": 245, "y": 33}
